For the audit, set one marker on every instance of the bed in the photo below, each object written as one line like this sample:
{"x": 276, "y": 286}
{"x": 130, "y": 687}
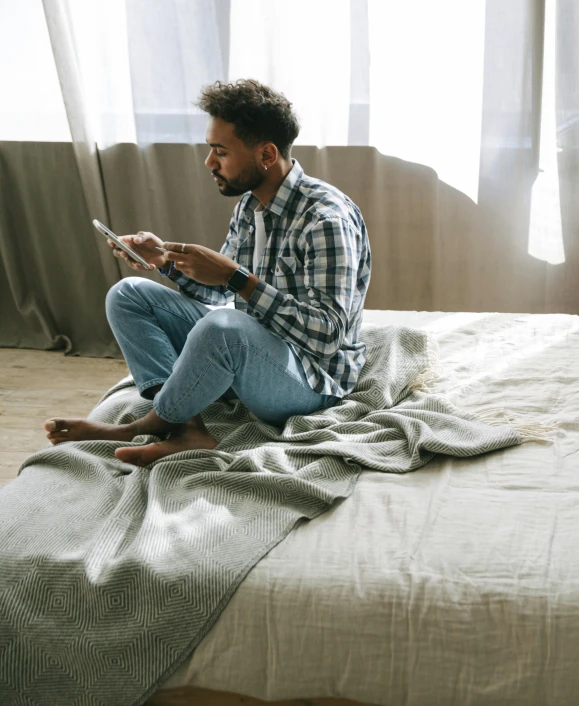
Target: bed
{"x": 456, "y": 584}
{"x": 452, "y": 585}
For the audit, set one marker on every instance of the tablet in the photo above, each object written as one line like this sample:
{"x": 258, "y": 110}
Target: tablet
{"x": 119, "y": 243}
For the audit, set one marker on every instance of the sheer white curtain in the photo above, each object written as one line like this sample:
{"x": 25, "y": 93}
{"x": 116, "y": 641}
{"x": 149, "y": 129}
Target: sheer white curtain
{"x": 417, "y": 65}
{"x": 142, "y": 64}
{"x": 442, "y": 84}
{"x": 426, "y": 84}
{"x": 301, "y": 48}
{"x": 545, "y": 231}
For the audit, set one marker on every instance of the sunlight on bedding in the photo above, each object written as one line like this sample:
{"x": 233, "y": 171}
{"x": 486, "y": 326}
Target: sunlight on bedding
{"x": 454, "y": 321}
{"x": 495, "y": 360}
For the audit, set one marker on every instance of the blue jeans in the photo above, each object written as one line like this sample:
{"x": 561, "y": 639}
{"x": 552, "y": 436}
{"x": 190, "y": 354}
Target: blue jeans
{"x": 201, "y": 355}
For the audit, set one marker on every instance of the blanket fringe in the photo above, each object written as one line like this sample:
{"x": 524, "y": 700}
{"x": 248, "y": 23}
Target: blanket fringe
{"x": 535, "y": 431}
{"x": 529, "y": 431}
{"x": 431, "y": 374}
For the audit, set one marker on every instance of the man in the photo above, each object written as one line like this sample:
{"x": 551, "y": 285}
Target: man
{"x": 296, "y": 262}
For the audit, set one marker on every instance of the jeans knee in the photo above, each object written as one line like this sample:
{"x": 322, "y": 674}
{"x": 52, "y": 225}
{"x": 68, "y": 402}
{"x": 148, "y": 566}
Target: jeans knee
{"x": 126, "y": 289}
{"x": 227, "y": 325}
{"x": 115, "y": 295}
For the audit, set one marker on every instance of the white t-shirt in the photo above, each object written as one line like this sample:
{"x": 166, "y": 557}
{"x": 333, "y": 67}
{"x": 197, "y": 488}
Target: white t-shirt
{"x": 259, "y": 237}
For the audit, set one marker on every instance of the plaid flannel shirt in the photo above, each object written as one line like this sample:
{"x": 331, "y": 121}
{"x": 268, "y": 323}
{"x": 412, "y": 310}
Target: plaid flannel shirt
{"x": 313, "y": 276}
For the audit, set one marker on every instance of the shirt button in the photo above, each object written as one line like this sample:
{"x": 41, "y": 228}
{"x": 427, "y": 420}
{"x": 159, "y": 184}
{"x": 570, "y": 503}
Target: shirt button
{"x": 257, "y": 314}
{"x": 311, "y": 292}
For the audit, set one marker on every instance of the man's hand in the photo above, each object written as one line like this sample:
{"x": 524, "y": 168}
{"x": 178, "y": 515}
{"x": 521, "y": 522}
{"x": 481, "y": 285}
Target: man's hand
{"x": 201, "y": 264}
{"x": 145, "y": 245}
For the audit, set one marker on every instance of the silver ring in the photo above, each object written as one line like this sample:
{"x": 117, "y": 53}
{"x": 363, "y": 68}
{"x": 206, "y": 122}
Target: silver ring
{"x": 182, "y": 247}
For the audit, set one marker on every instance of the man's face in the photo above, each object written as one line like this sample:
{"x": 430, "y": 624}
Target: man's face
{"x": 232, "y": 163}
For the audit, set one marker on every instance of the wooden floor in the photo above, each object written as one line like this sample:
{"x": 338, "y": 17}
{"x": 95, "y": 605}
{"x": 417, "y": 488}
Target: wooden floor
{"x": 37, "y": 385}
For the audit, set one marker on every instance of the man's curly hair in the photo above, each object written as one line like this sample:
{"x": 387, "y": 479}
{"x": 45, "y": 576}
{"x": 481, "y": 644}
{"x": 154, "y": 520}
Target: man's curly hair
{"x": 258, "y": 113}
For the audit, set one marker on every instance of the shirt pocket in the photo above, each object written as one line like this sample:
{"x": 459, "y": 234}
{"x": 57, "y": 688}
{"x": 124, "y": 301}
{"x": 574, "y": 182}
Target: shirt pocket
{"x": 285, "y": 266}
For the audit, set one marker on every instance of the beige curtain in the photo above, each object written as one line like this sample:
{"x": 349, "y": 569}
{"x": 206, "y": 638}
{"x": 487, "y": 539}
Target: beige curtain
{"x": 433, "y": 247}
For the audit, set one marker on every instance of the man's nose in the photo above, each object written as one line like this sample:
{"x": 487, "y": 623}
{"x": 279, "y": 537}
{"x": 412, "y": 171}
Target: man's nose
{"x": 210, "y": 160}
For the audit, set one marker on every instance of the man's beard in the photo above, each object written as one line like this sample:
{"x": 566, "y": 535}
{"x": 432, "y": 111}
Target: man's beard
{"x": 249, "y": 179}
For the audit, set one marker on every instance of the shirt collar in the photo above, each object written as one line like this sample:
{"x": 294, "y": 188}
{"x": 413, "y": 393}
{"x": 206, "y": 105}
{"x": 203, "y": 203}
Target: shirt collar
{"x": 279, "y": 202}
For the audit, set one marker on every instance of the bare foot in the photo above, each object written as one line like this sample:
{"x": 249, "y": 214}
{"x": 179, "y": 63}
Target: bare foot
{"x": 60, "y": 430}
{"x": 185, "y": 438}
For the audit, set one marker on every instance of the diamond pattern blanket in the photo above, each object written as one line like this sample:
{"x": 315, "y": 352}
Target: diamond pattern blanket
{"x": 111, "y": 574}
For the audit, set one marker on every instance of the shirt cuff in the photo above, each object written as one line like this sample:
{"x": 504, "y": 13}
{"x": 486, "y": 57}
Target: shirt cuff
{"x": 264, "y": 301}
{"x": 168, "y": 272}
{"x": 175, "y": 275}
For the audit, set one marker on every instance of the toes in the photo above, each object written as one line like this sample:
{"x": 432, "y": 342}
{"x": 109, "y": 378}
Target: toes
{"x": 56, "y": 438}
{"x": 55, "y": 424}
{"x": 57, "y": 435}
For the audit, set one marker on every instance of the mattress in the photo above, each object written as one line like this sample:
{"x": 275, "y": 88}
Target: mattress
{"x": 455, "y": 584}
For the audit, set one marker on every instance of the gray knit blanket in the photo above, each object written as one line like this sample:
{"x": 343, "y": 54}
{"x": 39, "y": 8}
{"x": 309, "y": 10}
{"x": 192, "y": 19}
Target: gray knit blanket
{"x": 111, "y": 575}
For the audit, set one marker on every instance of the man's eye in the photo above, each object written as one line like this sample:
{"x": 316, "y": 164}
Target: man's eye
{"x": 220, "y": 154}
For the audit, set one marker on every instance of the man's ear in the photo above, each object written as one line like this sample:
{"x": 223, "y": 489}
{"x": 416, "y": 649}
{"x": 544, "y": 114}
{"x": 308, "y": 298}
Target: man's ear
{"x": 269, "y": 153}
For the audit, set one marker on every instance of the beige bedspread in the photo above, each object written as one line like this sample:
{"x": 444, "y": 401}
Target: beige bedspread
{"x": 452, "y": 585}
